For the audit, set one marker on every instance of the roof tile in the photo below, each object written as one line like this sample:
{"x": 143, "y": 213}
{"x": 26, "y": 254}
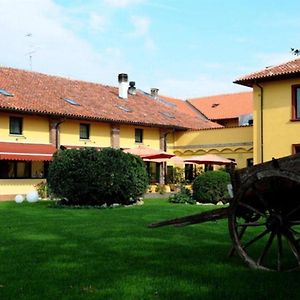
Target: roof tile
{"x": 288, "y": 69}
{"x": 44, "y": 94}
{"x": 226, "y": 106}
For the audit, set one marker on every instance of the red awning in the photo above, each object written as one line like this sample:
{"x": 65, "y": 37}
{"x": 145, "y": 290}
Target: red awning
{"x": 18, "y": 151}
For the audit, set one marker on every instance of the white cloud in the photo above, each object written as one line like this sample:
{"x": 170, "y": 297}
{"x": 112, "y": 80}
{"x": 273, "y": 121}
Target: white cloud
{"x": 197, "y": 87}
{"x": 97, "y": 22}
{"x": 122, "y": 3}
{"x": 58, "y": 50}
{"x": 142, "y": 30}
{"x": 150, "y": 45}
{"x": 141, "y": 26}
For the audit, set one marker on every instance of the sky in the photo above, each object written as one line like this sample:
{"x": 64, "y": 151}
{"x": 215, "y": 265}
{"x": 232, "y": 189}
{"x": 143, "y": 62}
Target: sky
{"x": 186, "y": 49}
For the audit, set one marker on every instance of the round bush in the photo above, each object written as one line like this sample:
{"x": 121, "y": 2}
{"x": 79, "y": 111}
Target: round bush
{"x": 91, "y": 177}
{"x": 211, "y": 187}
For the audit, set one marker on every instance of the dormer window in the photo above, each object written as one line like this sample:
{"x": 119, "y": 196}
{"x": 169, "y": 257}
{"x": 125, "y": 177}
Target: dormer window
{"x": 5, "y": 93}
{"x": 167, "y": 114}
{"x": 71, "y": 101}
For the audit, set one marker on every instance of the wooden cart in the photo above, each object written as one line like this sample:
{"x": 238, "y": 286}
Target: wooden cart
{"x": 263, "y": 215}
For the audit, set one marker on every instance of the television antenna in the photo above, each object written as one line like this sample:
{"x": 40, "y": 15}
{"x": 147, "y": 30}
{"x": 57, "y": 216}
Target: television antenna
{"x": 31, "y": 49}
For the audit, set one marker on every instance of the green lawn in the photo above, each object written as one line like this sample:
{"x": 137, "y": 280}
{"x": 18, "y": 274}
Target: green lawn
{"x": 50, "y": 253}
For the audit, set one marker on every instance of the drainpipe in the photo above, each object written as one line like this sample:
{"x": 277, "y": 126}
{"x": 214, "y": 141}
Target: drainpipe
{"x": 163, "y": 165}
{"x": 57, "y": 144}
{"x": 261, "y": 122}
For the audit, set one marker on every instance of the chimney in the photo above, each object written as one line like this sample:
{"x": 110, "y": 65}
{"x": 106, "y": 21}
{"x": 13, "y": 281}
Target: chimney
{"x": 132, "y": 88}
{"x": 123, "y": 79}
{"x": 154, "y": 93}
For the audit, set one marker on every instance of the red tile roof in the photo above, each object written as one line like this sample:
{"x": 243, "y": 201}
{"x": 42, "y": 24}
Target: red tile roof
{"x": 44, "y": 94}
{"x": 18, "y": 151}
{"x": 181, "y": 105}
{"x": 286, "y": 70}
{"x": 226, "y": 106}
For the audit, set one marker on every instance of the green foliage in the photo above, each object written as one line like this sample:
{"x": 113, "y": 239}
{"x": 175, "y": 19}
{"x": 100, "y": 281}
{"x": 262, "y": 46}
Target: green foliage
{"x": 42, "y": 189}
{"x": 211, "y": 187}
{"x": 178, "y": 175}
{"x": 184, "y": 196}
{"x": 91, "y": 177}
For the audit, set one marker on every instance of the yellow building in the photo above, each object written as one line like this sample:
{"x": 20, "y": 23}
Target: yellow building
{"x": 234, "y": 143}
{"x": 41, "y": 113}
{"x": 233, "y": 140}
{"x": 276, "y": 97}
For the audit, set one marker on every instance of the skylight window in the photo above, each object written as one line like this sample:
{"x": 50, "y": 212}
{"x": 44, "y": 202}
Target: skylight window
{"x": 126, "y": 109}
{"x": 167, "y": 114}
{"x": 71, "y": 101}
{"x": 5, "y": 93}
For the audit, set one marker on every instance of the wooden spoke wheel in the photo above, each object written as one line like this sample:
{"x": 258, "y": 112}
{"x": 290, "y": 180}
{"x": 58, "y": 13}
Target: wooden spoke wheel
{"x": 264, "y": 220}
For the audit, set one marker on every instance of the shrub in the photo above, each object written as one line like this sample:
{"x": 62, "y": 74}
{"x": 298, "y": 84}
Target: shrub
{"x": 184, "y": 196}
{"x": 91, "y": 177}
{"x": 211, "y": 187}
{"x": 42, "y": 189}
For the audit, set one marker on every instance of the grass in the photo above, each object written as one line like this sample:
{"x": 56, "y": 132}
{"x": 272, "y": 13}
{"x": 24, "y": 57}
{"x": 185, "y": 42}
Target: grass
{"x": 49, "y": 253}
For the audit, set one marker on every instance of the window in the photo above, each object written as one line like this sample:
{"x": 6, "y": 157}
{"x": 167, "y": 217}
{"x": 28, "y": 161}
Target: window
{"x": 124, "y": 108}
{"x": 249, "y": 162}
{"x": 15, "y": 125}
{"x": 15, "y": 169}
{"x": 296, "y": 148}
{"x": 138, "y": 135}
{"x": 167, "y": 114}
{"x": 296, "y": 102}
{"x": 71, "y": 101}
{"x": 5, "y": 93}
{"x": 84, "y": 131}
{"x": 189, "y": 173}
{"x": 153, "y": 171}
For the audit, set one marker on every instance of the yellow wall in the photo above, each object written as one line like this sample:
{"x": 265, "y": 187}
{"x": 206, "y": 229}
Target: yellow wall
{"x": 279, "y": 132}
{"x": 18, "y": 186}
{"x": 99, "y": 134}
{"x": 150, "y": 137}
{"x": 171, "y": 136}
{"x": 35, "y": 129}
{"x": 235, "y": 143}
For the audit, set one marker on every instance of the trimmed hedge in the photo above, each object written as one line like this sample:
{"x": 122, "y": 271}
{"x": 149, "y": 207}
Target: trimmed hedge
{"x": 211, "y": 187}
{"x": 91, "y": 177}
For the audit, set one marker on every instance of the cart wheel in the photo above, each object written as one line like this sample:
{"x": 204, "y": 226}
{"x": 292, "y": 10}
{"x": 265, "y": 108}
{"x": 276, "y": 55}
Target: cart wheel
{"x": 264, "y": 221}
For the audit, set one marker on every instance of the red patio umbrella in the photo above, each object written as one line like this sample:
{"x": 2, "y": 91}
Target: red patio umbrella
{"x": 211, "y": 159}
{"x": 148, "y": 153}
{"x": 175, "y": 159}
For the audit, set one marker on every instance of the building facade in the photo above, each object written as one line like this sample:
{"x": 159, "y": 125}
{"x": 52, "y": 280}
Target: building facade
{"x": 41, "y": 113}
{"x": 276, "y": 98}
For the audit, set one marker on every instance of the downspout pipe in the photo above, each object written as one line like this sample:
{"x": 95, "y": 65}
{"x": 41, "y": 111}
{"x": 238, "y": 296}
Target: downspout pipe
{"x": 261, "y": 122}
{"x": 57, "y": 142}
